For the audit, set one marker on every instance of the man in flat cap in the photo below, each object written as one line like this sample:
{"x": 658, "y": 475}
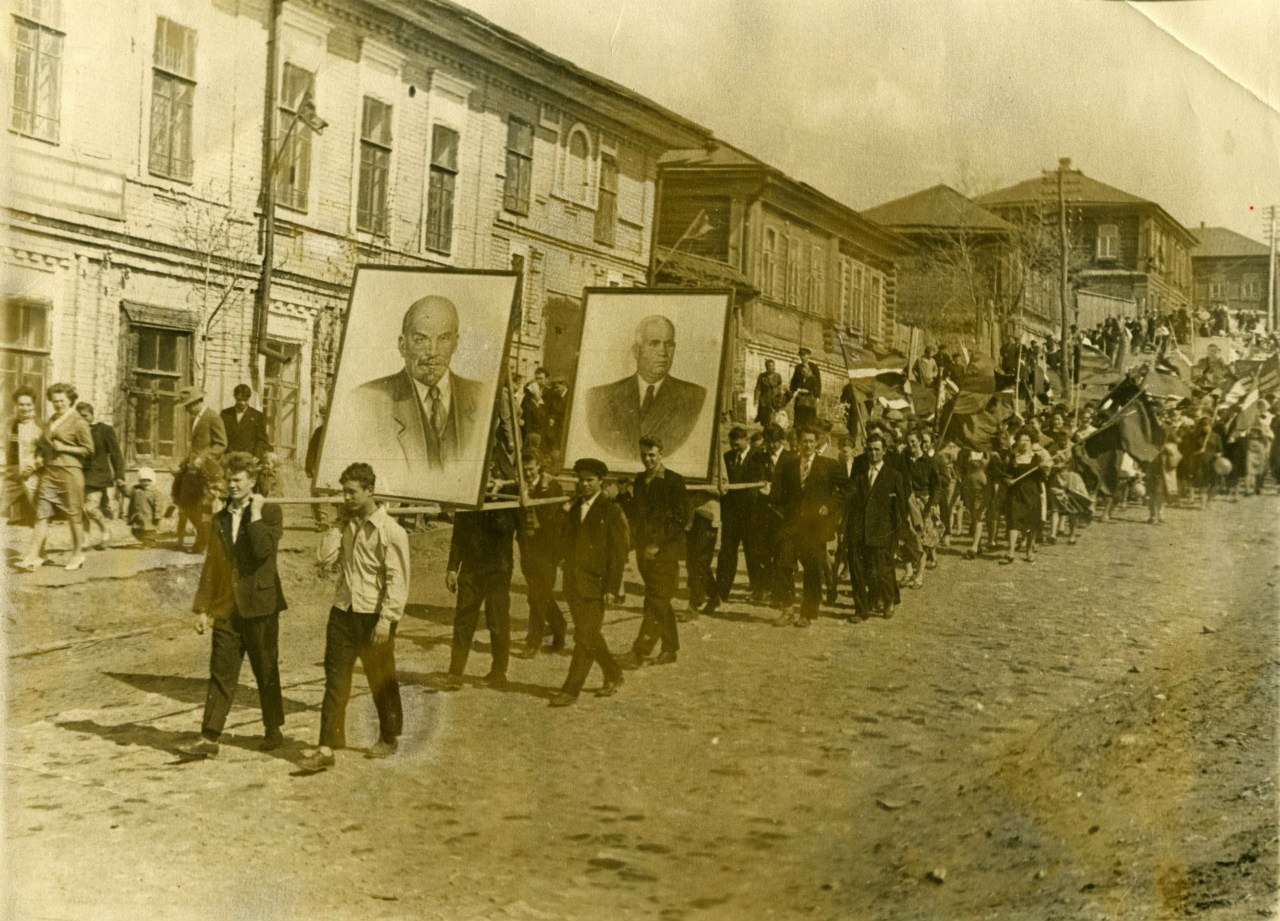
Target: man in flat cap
{"x": 199, "y": 477}
{"x": 423, "y": 417}
{"x": 649, "y": 402}
{"x": 595, "y": 545}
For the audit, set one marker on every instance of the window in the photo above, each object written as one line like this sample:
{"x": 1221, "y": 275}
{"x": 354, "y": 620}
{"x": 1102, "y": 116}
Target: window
{"x": 515, "y": 190}
{"x": 577, "y": 167}
{"x": 173, "y": 89}
{"x": 24, "y": 348}
{"x": 375, "y": 166}
{"x": 37, "y": 69}
{"x": 768, "y": 261}
{"x": 293, "y": 162}
{"x": 793, "y": 274}
{"x": 1250, "y": 287}
{"x": 442, "y": 186}
{"x": 1108, "y": 241}
{"x": 1217, "y": 289}
{"x": 817, "y": 292}
{"x": 607, "y": 206}
{"x": 158, "y": 365}
{"x": 282, "y": 384}
{"x": 875, "y": 306}
{"x": 780, "y": 270}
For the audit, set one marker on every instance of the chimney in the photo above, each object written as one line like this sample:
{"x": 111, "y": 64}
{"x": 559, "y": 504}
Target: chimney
{"x": 1064, "y": 163}
{"x": 1202, "y": 225}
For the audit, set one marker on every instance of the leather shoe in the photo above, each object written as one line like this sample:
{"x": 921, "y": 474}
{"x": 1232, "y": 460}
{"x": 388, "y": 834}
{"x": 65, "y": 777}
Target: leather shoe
{"x": 665, "y": 658}
{"x": 785, "y": 618}
{"x": 496, "y": 680}
{"x": 629, "y": 660}
{"x": 888, "y": 611}
{"x": 451, "y": 683}
{"x": 204, "y": 748}
{"x": 563, "y": 700}
{"x": 712, "y": 605}
{"x": 527, "y": 653}
{"x": 273, "y": 739}
{"x": 609, "y": 688}
{"x": 317, "y": 761}
{"x": 383, "y": 749}
{"x": 801, "y": 621}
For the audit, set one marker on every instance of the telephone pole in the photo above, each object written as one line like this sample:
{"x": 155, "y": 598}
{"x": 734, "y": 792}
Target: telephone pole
{"x": 1068, "y": 360}
{"x": 1273, "y": 239}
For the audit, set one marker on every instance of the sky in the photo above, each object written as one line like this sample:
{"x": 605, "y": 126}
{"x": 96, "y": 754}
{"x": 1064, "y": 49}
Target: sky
{"x": 868, "y": 100}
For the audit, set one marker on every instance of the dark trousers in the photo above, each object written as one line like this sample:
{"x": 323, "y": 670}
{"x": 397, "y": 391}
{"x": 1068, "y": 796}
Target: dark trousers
{"x": 589, "y": 646}
{"x": 660, "y": 577}
{"x": 232, "y": 639}
{"x": 875, "y": 580}
{"x": 735, "y": 529}
{"x": 811, "y": 555}
{"x": 539, "y": 570}
{"x": 492, "y": 589}
{"x": 762, "y": 553}
{"x": 700, "y": 548}
{"x": 348, "y": 637}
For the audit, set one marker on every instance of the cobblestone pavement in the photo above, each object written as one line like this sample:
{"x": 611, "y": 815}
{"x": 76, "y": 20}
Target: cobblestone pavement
{"x": 1091, "y": 736}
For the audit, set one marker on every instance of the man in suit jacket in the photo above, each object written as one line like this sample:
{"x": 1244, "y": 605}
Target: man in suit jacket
{"x": 649, "y": 402}
{"x": 875, "y": 518}
{"x": 768, "y": 386}
{"x": 200, "y": 475}
{"x": 806, "y": 387}
{"x": 423, "y": 417}
{"x": 246, "y": 427}
{"x": 102, "y": 470}
{"x": 807, "y": 491}
{"x": 240, "y": 589}
{"x": 595, "y": 555}
{"x": 541, "y": 536}
{"x": 763, "y": 541}
{"x": 658, "y": 514}
{"x": 735, "y": 518}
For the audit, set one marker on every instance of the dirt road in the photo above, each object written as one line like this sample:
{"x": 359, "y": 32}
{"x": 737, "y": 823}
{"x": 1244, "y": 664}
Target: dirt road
{"x": 1091, "y": 736}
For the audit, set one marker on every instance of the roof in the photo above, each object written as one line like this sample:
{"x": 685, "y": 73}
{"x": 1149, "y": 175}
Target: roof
{"x": 1219, "y": 241}
{"x": 940, "y": 207}
{"x": 1080, "y": 190}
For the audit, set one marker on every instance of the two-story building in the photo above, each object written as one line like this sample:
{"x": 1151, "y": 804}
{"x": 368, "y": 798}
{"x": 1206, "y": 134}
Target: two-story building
{"x": 1122, "y": 245}
{"x": 1230, "y": 270}
{"x": 408, "y": 132}
{"x": 804, "y": 266}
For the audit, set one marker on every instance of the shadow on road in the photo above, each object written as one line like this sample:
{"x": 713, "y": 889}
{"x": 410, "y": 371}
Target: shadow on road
{"x": 193, "y": 690}
{"x": 168, "y": 743}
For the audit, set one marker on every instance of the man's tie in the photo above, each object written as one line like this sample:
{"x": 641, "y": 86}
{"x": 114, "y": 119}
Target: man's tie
{"x": 804, "y": 470}
{"x": 437, "y": 409}
{"x": 648, "y": 401}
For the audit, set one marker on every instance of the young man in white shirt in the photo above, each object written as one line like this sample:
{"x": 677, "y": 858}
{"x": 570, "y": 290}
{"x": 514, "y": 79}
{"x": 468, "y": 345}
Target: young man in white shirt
{"x": 372, "y": 555}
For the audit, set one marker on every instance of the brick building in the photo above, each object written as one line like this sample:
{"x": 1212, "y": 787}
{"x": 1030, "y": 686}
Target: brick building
{"x": 131, "y": 246}
{"x": 1123, "y": 246}
{"x": 804, "y": 266}
{"x": 1231, "y": 270}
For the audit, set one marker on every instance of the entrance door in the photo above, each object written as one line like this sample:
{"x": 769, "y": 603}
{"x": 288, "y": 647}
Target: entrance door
{"x": 280, "y": 396}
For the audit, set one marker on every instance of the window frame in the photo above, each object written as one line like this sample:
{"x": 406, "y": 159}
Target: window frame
{"x": 45, "y": 26}
{"x": 294, "y": 194}
{"x": 1111, "y": 251}
{"x": 134, "y": 379}
{"x": 438, "y": 193}
{"x": 606, "y": 224}
{"x": 571, "y": 191}
{"x": 31, "y": 351}
{"x": 372, "y": 195}
{"x": 178, "y": 119}
{"x": 517, "y": 183}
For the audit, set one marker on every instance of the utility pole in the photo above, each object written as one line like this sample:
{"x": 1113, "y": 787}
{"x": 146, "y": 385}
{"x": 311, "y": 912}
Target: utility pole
{"x": 267, "y": 199}
{"x": 1273, "y": 238}
{"x": 1064, "y": 164}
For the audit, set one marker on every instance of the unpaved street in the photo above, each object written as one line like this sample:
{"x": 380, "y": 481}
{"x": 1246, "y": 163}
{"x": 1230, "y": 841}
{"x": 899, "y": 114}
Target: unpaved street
{"x": 1091, "y": 736}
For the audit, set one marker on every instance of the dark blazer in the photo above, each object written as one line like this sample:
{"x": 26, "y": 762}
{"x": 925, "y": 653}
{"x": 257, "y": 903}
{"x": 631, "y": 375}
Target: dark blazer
{"x": 760, "y": 468}
{"x": 106, "y": 465}
{"x": 595, "y": 549}
{"x": 242, "y": 577}
{"x": 812, "y": 508}
{"x": 208, "y": 435}
{"x": 249, "y": 434}
{"x": 534, "y": 416}
{"x": 738, "y": 501}
{"x": 481, "y": 541}
{"x": 659, "y": 513}
{"x": 613, "y": 414}
{"x": 876, "y": 514}
{"x": 542, "y": 527}
{"x": 393, "y": 425}
{"x": 806, "y": 376}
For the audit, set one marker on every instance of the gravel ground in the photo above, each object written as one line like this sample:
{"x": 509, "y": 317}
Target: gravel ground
{"x": 1091, "y": 736}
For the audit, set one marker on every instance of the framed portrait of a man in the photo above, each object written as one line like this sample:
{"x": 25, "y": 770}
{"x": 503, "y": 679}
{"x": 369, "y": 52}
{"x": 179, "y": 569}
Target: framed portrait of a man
{"x": 651, "y": 362}
{"x": 417, "y": 382}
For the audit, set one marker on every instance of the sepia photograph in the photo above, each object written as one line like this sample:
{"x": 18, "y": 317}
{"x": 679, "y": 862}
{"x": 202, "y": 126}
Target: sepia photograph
{"x": 417, "y": 381}
{"x": 691, "y": 460}
{"x": 650, "y": 364}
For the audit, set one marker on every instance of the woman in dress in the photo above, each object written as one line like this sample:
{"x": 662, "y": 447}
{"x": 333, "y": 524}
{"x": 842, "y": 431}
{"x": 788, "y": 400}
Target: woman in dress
{"x": 1024, "y": 495}
{"x": 22, "y": 460}
{"x": 66, "y": 444}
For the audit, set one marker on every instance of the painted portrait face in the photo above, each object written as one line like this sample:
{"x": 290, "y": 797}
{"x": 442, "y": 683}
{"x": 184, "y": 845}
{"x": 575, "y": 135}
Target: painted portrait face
{"x": 428, "y": 338}
{"x": 655, "y": 348}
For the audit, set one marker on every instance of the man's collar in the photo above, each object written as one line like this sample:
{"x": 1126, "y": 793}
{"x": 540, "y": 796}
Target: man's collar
{"x": 445, "y": 385}
{"x": 644, "y": 385}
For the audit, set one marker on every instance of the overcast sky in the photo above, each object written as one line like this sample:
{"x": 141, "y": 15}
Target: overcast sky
{"x": 872, "y": 99}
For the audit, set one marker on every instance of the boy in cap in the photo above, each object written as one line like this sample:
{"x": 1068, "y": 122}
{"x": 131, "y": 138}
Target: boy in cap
{"x": 595, "y": 545}
{"x": 144, "y": 508}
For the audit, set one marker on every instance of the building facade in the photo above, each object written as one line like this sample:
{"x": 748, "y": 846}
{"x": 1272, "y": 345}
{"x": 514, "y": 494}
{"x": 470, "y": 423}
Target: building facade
{"x": 804, "y": 267}
{"x": 1121, "y": 245}
{"x": 406, "y": 133}
{"x": 1230, "y": 270}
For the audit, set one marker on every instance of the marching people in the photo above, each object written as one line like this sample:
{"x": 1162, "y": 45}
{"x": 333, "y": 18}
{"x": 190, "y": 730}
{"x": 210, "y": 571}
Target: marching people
{"x": 700, "y": 551}
{"x": 199, "y": 477}
{"x": 920, "y": 540}
{"x": 807, "y": 492}
{"x": 762, "y": 542}
{"x": 479, "y": 573}
{"x": 371, "y": 553}
{"x": 63, "y": 448}
{"x": 1024, "y": 477}
{"x": 246, "y": 430}
{"x": 240, "y": 591}
{"x": 595, "y": 554}
{"x": 541, "y": 537}
{"x": 658, "y": 512}
{"x": 875, "y": 516}
{"x": 103, "y": 471}
{"x": 735, "y": 519}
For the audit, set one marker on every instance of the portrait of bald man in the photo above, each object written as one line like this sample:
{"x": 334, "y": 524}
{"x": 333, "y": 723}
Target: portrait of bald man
{"x": 648, "y": 402}
{"x": 423, "y": 417}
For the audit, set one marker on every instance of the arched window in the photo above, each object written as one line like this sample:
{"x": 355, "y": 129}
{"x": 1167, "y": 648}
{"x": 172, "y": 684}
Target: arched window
{"x": 577, "y": 167}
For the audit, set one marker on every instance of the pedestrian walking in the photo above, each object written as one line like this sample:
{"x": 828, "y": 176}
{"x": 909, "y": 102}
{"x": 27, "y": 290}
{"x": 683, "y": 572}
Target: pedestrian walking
{"x": 63, "y": 448}
{"x": 541, "y": 538}
{"x": 22, "y": 460}
{"x": 806, "y": 388}
{"x": 371, "y": 553}
{"x": 736, "y": 508}
{"x": 768, "y": 387}
{"x": 875, "y": 516}
{"x": 199, "y": 477}
{"x": 807, "y": 491}
{"x": 104, "y": 470}
{"x": 240, "y": 591}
